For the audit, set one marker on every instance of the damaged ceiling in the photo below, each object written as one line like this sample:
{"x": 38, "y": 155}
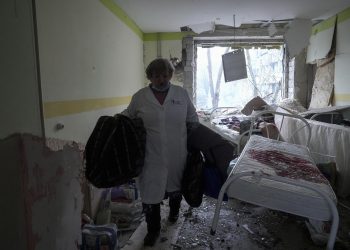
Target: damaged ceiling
{"x": 170, "y": 16}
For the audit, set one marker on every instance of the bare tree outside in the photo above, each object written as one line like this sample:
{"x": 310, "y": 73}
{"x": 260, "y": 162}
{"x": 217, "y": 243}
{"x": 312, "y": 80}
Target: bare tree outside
{"x": 265, "y": 74}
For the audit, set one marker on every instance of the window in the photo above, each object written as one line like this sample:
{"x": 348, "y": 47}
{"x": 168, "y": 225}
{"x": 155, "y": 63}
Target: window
{"x": 264, "y": 70}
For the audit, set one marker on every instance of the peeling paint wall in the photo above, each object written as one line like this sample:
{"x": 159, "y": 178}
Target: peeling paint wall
{"x": 322, "y": 90}
{"x": 43, "y": 193}
{"x": 324, "y": 34}
{"x": 92, "y": 195}
{"x": 301, "y": 80}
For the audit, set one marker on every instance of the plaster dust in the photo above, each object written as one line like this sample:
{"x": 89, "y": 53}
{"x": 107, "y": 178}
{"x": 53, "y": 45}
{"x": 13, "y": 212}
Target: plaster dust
{"x": 241, "y": 226}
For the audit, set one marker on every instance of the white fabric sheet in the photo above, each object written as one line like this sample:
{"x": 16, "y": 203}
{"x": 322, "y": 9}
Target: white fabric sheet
{"x": 328, "y": 142}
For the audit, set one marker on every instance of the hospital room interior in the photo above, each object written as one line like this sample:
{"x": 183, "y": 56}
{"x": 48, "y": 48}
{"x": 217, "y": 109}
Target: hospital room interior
{"x": 269, "y": 81}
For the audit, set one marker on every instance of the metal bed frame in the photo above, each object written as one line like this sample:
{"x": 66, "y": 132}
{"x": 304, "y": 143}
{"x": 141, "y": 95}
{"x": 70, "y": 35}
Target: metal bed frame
{"x": 331, "y": 214}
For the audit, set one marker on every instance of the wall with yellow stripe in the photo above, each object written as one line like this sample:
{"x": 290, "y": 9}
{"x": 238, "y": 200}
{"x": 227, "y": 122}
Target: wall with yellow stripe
{"x": 171, "y": 44}
{"x": 340, "y": 24}
{"x": 91, "y": 62}
{"x": 99, "y": 72}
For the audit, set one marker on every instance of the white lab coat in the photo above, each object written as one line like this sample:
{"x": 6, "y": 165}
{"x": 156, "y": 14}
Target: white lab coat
{"x": 166, "y": 141}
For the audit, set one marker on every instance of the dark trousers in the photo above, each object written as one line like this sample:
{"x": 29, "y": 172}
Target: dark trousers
{"x": 152, "y": 211}
{"x": 174, "y": 202}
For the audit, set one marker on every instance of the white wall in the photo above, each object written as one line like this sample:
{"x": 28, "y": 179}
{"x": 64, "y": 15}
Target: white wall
{"x": 342, "y": 62}
{"x": 320, "y": 45}
{"x": 86, "y": 52}
{"x": 77, "y": 127}
{"x": 19, "y": 90}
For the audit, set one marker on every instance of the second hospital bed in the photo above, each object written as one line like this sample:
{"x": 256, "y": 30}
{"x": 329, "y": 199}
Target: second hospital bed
{"x": 229, "y": 123}
{"x": 281, "y": 176}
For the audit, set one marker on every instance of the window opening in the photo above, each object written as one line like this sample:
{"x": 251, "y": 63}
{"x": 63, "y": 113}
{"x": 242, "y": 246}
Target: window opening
{"x": 264, "y": 70}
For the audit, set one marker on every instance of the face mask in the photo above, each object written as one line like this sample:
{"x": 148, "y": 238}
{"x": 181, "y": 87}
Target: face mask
{"x": 162, "y": 88}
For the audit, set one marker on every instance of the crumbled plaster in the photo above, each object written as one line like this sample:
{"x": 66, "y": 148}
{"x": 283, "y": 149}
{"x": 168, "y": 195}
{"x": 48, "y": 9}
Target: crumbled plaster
{"x": 91, "y": 194}
{"x": 50, "y": 191}
{"x": 301, "y": 84}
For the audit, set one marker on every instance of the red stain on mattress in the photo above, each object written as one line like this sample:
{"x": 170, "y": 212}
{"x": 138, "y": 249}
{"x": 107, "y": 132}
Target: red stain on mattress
{"x": 286, "y": 165}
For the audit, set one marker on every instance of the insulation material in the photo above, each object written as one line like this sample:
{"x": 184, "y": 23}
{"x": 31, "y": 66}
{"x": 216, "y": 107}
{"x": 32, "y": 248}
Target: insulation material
{"x": 321, "y": 40}
{"x": 322, "y": 90}
{"x": 328, "y": 142}
{"x": 49, "y": 192}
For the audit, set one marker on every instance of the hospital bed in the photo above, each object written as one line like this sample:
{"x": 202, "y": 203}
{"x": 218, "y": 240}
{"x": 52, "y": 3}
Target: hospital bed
{"x": 282, "y": 176}
{"x": 227, "y": 121}
{"x": 329, "y": 143}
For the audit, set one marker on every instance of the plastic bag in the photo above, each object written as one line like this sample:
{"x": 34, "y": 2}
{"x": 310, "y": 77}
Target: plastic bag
{"x": 103, "y": 237}
{"x": 192, "y": 181}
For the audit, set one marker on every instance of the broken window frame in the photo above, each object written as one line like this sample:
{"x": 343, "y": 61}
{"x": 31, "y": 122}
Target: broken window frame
{"x": 240, "y": 43}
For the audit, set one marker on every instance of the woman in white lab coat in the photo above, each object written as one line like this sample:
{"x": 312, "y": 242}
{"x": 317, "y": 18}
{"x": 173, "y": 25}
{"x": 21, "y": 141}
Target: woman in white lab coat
{"x": 165, "y": 109}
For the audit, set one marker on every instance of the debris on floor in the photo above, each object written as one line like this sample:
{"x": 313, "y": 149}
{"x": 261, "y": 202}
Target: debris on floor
{"x": 241, "y": 226}
{"x": 245, "y": 226}
{"x": 168, "y": 234}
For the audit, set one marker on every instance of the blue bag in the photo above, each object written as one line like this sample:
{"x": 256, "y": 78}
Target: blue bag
{"x": 213, "y": 181}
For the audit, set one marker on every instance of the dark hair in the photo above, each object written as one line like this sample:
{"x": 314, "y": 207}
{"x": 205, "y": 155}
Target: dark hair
{"x": 158, "y": 66}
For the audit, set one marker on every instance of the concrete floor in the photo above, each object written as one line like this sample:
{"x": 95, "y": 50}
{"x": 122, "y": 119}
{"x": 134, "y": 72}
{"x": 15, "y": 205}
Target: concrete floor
{"x": 241, "y": 226}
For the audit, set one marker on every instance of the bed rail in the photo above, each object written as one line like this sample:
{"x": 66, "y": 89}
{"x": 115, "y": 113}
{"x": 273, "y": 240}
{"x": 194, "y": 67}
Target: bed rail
{"x": 302, "y": 119}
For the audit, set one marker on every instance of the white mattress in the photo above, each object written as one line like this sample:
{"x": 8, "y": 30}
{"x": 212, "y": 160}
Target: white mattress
{"x": 287, "y": 162}
{"x": 228, "y": 134}
{"x": 215, "y": 123}
{"x": 329, "y": 142}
